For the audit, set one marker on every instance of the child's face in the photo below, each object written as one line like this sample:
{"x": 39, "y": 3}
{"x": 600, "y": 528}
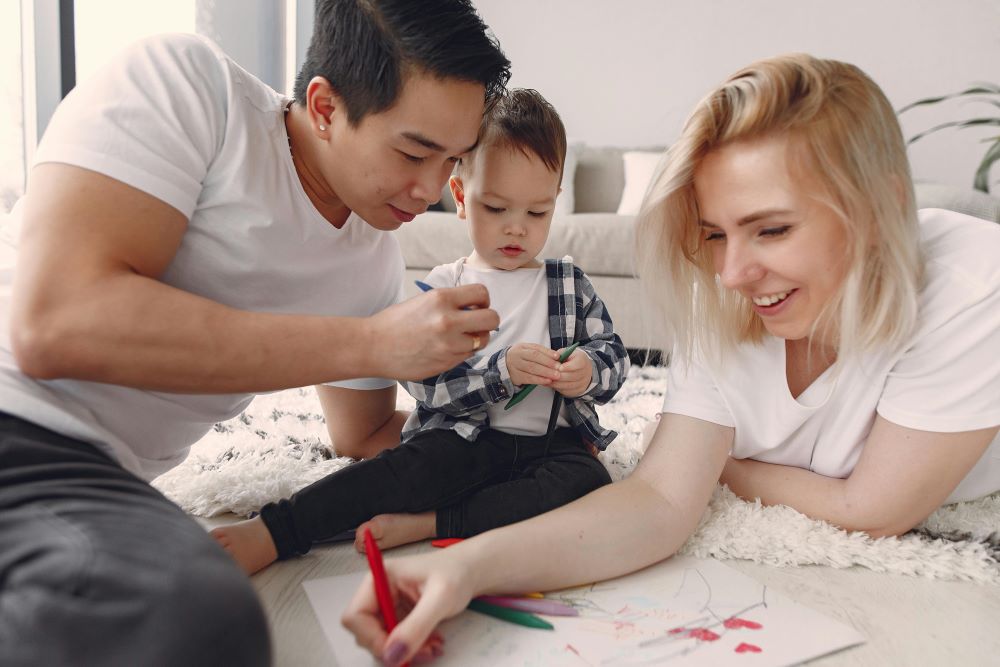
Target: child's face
{"x": 508, "y": 199}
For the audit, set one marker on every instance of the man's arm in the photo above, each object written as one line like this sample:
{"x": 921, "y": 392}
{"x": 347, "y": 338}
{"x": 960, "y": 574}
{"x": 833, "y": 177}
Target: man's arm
{"x": 902, "y": 476}
{"x": 361, "y": 422}
{"x": 87, "y": 305}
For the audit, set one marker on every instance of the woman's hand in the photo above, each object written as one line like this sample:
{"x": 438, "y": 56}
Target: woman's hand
{"x": 529, "y": 363}
{"x": 427, "y": 589}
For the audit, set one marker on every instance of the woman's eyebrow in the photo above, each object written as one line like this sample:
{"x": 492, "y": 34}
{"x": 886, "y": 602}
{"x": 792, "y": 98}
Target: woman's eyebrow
{"x": 763, "y": 214}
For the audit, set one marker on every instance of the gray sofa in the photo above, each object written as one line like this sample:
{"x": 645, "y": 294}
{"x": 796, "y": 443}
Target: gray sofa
{"x": 601, "y": 242}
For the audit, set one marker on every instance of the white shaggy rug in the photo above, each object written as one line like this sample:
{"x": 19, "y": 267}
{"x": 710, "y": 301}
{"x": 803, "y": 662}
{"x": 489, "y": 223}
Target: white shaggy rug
{"x": 278, "y": 445}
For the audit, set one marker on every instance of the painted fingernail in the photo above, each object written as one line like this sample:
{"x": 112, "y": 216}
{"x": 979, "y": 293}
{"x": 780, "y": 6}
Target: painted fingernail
{"x": 393, "y": 655}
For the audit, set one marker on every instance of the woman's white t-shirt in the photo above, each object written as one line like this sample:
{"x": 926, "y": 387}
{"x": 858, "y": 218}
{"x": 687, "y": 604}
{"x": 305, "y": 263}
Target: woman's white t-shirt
{"x": 176, "y": 118}
{"x": 946, "y": 379}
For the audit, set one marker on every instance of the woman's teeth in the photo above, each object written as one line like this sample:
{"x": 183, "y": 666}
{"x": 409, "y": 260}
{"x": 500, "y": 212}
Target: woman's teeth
{"x": 770, "y": 300}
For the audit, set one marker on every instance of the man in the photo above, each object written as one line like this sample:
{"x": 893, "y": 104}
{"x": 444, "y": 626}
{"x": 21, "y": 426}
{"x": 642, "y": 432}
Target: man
{"x": 190, "y": 237}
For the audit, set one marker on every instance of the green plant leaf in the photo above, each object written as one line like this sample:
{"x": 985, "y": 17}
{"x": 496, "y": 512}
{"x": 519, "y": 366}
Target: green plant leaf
{"x": 979, "y": 89}
{"x": 972, "y": 122}
{"x": 981, "y": 182}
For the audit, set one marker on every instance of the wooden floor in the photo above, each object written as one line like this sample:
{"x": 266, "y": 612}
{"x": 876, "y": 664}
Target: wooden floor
{"x": 906, "y": 620}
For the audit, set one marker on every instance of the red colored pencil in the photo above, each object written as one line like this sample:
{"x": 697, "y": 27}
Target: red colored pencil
{"x": 382, "y": 593}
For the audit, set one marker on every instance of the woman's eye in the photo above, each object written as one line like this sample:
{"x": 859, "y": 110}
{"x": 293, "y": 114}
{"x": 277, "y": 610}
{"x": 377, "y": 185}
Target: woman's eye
{"x": 714, "y": 236}
{"x": 775, "y": 231}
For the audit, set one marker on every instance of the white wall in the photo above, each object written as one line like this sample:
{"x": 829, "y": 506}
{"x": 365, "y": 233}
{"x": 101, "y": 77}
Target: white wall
{"x": 627, "y": 72}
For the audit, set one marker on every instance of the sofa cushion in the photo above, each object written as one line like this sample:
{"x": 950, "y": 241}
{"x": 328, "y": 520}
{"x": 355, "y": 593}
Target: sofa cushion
{"x": 963, "y": 200}
{"x": 600, "y": 243}
{"x": 639, "y": 169}
{"x": 600, "y": 178}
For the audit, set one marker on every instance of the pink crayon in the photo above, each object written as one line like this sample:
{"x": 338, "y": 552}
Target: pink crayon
{"x": 533, "y": 605}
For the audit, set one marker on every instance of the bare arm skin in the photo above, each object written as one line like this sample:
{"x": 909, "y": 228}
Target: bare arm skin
{"x": 617, "y": 529}
{"x": 901, "y": 477}
{"x": 361, "y": 423}
{"x": 87, "y": 305}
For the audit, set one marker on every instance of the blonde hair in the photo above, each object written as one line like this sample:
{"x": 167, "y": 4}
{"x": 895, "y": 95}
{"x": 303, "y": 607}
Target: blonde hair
{"x": 842, "y": 130}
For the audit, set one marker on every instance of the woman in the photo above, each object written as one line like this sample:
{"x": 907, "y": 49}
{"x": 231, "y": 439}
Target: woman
{"x": 833, "y": 351}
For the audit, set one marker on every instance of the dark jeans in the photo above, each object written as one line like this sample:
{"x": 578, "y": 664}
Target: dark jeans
{"x": 98, "y": 568}
{"x": 474, "y": 486}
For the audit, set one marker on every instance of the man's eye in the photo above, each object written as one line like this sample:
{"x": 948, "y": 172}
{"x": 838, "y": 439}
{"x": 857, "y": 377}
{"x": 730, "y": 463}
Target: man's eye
{"x": 413, "y": 158}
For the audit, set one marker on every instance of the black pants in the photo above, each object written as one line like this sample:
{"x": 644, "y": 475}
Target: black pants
{"x": 98, "y": 568}
{"x": 474, "y": 486}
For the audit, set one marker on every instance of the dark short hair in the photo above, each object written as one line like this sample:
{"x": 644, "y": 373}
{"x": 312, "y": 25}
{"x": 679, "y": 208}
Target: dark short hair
{"x": 521, "y": 118}
{"x": 366, "y": 48}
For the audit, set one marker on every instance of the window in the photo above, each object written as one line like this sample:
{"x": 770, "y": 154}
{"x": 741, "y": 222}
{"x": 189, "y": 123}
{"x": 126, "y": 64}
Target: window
{"x": 11, "y": 106}
{"x": 46, "y": 46}
{"x": 105, "y": 27}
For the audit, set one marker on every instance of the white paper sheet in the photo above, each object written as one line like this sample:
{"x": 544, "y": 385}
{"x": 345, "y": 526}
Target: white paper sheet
{"x": 683, "y": 611}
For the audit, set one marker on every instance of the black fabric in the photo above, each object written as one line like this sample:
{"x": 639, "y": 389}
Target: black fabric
{"x": 473, "y": 486}
{"x": 98, "y": 568}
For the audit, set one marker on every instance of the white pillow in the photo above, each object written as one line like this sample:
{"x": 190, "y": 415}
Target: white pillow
{"x": 566, "y": 201}
{"x": 639, "y": 168}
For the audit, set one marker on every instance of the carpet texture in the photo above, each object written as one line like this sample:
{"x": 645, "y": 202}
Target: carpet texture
{"x": 278, "y": 445}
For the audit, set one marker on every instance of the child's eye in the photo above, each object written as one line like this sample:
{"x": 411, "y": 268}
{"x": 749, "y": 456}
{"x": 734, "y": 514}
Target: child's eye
{"x": 775, "y": 231}
{"x": 538, "y": 214}
{"x": 493, "y": 209}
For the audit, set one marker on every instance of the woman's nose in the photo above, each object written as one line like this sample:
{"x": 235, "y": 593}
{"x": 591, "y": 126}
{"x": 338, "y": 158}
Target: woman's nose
{"x": 740, "y": 267}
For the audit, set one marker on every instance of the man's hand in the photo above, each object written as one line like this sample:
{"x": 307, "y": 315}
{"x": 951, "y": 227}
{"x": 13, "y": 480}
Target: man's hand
{"x": 430, "y": 333}
{"x": 576, "y": 374}
{"x": 529, "y": 363}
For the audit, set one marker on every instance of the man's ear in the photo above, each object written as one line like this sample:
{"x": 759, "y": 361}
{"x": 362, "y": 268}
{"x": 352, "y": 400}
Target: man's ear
{"x": 322, "y": 104}
{"x": 458, "y": 194}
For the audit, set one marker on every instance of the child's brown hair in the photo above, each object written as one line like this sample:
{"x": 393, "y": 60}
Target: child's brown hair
{"x": 522, "y": 119}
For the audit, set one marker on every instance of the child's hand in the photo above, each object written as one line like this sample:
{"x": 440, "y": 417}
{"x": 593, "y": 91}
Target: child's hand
{"x": 576, "y": 374}
{"x": 528, "y": 363}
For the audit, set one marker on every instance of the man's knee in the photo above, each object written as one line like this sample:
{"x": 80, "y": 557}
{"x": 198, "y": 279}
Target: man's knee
{"x": 73, "y": 603}
{"x": 210, "y": 615}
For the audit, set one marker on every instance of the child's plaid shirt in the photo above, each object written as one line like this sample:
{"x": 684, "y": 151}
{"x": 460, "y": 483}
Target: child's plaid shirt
{"x": 458, "y": 399}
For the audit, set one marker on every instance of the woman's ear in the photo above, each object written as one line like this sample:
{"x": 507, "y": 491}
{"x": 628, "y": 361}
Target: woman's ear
{"x": 458, "y": 194}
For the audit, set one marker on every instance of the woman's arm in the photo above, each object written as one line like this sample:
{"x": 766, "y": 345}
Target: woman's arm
{"x": 614, "y": 530}
{"x": 901, "y": 477}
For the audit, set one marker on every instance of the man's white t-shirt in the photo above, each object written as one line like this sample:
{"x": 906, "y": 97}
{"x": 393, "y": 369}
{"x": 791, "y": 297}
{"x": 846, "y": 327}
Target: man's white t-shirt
{"x": 946, "y": 379}
{"x": 176, "y": 118}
